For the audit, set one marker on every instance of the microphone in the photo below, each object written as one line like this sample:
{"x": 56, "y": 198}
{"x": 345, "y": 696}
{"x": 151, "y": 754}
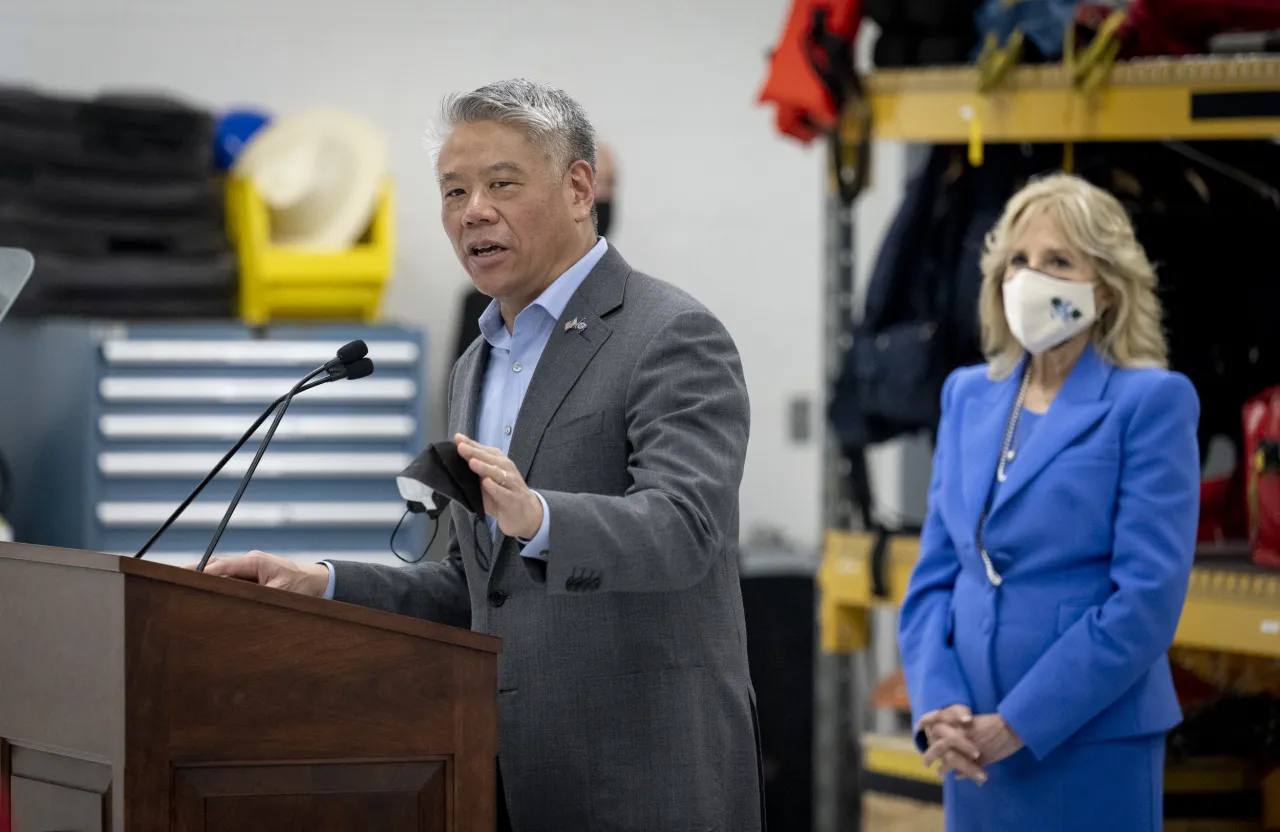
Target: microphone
{"x": 357, "y": 369}
{"x": 361, "y": 368}
{"x": 347, "y": 354}
{"x": 338, "y": 372}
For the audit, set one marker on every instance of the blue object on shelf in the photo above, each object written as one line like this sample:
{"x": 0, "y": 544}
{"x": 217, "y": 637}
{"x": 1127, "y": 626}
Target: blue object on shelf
{"x": 233, "y": 132}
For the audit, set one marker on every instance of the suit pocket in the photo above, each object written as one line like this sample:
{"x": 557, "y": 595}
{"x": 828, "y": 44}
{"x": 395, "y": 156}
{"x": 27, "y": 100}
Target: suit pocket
{"x": 573, "y": 430}
{"x": 1089, "y": 454}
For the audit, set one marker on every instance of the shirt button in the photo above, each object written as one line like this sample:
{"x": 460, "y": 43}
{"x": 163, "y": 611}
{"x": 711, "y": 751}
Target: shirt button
{"x": 507, "y": 430}
{"x": 517, "y": 367}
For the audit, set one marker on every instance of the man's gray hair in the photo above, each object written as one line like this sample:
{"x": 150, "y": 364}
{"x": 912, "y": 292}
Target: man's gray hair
{"x": 550, "y": 118}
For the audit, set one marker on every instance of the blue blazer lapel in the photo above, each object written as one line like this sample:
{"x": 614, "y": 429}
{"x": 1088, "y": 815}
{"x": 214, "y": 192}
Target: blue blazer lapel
{"x": 1075, "y": 410}
{"x": 981, "y": 434}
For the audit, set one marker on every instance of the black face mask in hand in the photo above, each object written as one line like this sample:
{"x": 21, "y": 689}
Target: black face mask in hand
{"x": 604, "y": 212}
{"x": 442, "y": 469}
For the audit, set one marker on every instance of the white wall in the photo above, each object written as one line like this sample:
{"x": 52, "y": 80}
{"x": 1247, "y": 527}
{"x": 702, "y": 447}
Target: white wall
{"x": 711, "y": 197}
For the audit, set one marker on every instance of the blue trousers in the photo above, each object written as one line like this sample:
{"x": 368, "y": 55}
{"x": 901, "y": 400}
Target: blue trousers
{"x": 1114, "y": 786}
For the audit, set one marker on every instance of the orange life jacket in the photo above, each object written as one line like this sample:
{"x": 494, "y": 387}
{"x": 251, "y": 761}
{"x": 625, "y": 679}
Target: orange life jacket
{"x": 807, "y": 72}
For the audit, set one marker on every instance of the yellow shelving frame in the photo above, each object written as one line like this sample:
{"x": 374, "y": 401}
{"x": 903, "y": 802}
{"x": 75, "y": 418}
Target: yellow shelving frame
{"x": 1227, "y": 610}
{"x": 1146, "y": 100}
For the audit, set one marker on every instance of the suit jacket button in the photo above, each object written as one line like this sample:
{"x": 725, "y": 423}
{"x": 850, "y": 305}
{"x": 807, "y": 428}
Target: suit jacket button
{"x": 595, "y": 582}
{"x": 497, "y": 598}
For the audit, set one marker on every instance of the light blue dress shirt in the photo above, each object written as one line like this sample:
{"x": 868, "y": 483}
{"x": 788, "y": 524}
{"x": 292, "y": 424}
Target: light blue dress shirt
{"x": 513, "y": 358}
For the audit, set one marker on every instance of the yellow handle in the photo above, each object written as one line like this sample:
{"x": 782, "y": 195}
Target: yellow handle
{"x": 1089, "y": 68}
{"x": 975, "y": 134}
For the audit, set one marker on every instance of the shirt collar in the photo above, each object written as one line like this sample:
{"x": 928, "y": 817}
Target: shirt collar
{"x": 552, "y": 301}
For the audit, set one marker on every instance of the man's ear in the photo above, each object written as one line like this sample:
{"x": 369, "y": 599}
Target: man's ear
{"x": 582, "y": 187}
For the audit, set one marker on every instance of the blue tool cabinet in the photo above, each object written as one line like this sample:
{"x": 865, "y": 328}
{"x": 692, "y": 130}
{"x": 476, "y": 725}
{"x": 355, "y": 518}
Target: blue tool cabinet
{"x": 118, "y": 423}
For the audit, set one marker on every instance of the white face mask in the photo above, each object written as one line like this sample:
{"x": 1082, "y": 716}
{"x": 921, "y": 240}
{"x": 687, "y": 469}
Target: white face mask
{"x": 1044, "y": 312}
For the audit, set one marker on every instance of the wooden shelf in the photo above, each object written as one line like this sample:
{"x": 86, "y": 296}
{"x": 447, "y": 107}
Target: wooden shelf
{"x": 1232, "y": 606}
{"x": 1146, "y": 100}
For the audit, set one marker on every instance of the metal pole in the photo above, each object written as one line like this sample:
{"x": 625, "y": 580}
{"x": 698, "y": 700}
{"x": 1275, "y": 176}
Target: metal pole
{"x": 837, "y": 755}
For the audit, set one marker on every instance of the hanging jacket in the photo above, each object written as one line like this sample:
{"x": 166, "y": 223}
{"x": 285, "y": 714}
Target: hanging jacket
{"x": 921, "y": 313}
{"x": 811, "y": 68}
{"x": 1043, "y": 22}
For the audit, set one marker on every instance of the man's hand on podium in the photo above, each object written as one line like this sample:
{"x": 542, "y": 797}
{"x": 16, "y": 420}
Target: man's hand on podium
{"x": 273, "y": 571}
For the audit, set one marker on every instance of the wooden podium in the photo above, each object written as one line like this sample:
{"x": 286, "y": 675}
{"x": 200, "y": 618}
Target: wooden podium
{"x": 141, "y": 697}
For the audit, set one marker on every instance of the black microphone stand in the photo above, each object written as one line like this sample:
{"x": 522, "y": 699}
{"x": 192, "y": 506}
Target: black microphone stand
{"x": 355, "y": 370}
{"x": 253, "y": 466}
{"x": 222, "y": 463}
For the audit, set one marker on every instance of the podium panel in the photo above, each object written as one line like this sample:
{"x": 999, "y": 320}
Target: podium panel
{"x": 320, "y": 796}
{"x": 145, "y": 697}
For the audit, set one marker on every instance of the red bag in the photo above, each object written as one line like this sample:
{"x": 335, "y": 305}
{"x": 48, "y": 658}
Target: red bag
{"x": 1224, "y": 514}
{"x": 1262, "y": 472}
{"x": 1183, "y": 27}
{"x": 805, "y": 74}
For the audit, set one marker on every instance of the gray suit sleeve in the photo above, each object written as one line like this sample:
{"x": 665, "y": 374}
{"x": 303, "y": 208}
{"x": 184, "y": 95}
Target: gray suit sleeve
{"x": 435, "y": 591}
{"x": 688, "y": 418}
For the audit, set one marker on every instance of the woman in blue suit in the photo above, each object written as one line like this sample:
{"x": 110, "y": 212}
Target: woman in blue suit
{"x": 1056, "y": 553}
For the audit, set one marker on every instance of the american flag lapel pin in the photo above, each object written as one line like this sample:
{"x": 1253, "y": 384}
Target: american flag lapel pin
{"x": 575, "y": 324}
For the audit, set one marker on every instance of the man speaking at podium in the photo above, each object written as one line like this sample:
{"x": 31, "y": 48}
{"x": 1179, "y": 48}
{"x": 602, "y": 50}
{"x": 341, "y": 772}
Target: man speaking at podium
{"x": 607, "y": 417}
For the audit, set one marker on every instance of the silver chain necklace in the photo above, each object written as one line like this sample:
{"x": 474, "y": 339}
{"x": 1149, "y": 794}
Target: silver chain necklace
{"x": 1006, "y": 447}
{"x": 1006, "y": 456}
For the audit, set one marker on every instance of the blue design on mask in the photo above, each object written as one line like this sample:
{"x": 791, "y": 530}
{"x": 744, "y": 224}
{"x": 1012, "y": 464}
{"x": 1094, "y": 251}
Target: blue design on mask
{"x": 1065, "y": 310}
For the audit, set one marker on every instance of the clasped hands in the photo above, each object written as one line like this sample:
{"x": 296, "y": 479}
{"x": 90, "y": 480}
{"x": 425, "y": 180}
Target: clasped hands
{"x": 966, "y": 744}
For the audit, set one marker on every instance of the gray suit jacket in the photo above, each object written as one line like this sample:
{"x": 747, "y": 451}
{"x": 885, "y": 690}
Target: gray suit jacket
{"x": 624, "y": 698}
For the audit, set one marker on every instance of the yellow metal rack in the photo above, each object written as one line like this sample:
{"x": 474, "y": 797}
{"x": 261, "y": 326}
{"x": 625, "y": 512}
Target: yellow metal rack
{"x": 1232, "y": 607}
{"x": 1147, "y": 100}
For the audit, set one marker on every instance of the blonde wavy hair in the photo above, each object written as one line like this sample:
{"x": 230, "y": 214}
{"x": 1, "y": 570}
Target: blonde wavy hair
{"x": 1129, "y": 332}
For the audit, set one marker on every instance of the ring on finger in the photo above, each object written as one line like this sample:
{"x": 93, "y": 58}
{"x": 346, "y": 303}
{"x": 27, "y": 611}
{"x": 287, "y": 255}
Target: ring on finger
{"x": 504, "y": 479}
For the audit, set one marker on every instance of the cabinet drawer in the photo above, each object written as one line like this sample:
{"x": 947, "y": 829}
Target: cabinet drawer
{"x": 262, "y": 391}
{"x": 247, "y": 353}
{"x": 252, "y": 514}
{"x": 272, "y": 464}
{"x": 227, "y": 428}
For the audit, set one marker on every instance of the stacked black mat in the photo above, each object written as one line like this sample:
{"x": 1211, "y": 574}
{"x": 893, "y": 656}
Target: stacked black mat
{"x": 117, "y": 198}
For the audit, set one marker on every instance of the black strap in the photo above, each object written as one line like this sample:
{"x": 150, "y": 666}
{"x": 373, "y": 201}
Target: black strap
{"x": 879, "y": 555}
{"x": 6, "y": 485}
{"x": 832, "y": 59}
{"x": 860, "y": 485}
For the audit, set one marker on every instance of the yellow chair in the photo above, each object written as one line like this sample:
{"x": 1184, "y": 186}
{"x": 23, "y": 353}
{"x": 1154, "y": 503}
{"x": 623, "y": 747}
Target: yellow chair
{"x": 283, "y": 283}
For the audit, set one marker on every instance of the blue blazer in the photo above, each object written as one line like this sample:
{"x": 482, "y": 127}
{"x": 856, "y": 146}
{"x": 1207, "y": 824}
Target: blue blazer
{"x": 1093, "y": 533}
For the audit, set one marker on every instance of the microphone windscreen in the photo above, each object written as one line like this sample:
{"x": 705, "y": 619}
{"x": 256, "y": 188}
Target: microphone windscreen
{"x": 360, "y": 369}
{"x": 352, "y": 352}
